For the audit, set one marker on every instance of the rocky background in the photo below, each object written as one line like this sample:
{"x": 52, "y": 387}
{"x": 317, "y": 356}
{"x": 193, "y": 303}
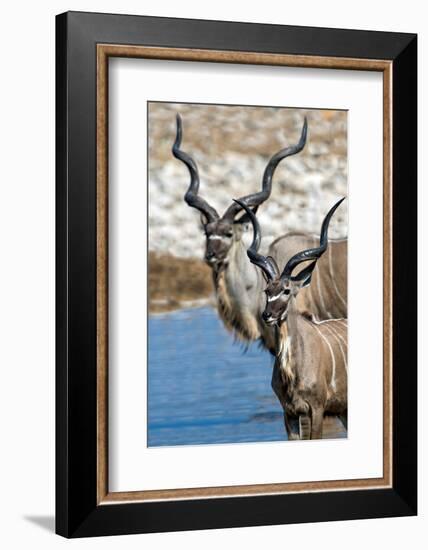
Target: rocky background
{"x": 231, "y": 146}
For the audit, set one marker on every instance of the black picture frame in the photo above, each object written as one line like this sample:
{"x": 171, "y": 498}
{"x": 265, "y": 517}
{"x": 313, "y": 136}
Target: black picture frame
{"x": 77, "y": 511}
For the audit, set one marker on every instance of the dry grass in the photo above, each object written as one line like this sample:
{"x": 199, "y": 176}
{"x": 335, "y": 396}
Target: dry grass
{"x": 173, "y": 281}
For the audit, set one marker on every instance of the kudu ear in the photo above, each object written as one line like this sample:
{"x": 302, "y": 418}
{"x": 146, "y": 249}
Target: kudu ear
{"x": 265, "y": 277}
{"x": 203, "y": 219}
{"x": 305, "y": 276}
{"x": 273, "y": 262}
{"x": 245, "y": 218}
{"x": 306, "y": 282}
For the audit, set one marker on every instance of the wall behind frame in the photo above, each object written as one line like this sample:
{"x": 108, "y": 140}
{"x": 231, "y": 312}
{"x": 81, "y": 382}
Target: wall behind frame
{"x": 27, "y": 273}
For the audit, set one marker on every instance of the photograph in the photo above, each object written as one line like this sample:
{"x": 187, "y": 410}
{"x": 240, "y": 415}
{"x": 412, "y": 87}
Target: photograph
{"x": 247, "y": 274}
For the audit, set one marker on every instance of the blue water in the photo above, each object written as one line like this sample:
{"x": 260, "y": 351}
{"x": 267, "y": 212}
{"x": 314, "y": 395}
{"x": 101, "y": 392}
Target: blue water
{"x": 203, "y": 387}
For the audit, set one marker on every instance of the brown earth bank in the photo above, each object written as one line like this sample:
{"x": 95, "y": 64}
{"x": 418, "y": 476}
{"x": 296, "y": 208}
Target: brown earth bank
{"x": 177, "y": 282}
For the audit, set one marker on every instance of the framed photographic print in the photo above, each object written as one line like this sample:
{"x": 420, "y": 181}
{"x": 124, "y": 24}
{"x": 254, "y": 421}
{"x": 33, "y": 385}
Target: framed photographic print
{"x": 228, "y": 196}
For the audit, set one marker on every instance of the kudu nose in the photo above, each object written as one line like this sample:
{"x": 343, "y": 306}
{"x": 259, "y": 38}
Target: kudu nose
{"x": 266, "y": 316}
{"x": 209, "y": 255}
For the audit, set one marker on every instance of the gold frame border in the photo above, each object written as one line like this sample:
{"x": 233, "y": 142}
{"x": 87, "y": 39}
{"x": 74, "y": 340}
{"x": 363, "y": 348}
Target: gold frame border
{"x": 104, "y": 51}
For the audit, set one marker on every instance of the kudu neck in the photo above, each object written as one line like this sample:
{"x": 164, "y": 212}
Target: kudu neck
{"x": 239, "y": 264}
{"x": 288, "y": 328}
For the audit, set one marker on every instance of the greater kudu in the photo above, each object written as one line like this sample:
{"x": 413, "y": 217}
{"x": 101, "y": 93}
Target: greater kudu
{"x": 310, "y": 371}
{"x": 237, "y": 282}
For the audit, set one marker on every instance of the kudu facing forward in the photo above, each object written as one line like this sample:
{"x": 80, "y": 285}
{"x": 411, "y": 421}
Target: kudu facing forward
{"x": 236, "y": 281}
{"x": 310, "y": 371}
{"x": 238, "y": 284}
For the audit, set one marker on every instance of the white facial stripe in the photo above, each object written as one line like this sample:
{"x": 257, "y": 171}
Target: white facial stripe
{"x": 216, "y": 238}
{"x": 273, "y": 298}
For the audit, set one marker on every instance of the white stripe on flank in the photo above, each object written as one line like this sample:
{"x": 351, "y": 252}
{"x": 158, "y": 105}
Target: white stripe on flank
{"x": 343, "y": 323}
{"x": 330, "y": 264}
{"x": 338, "y": 338}
{"x": 333, "y": 360}
{"x": 335, "y": 329}
{"x": 329, "y": 321}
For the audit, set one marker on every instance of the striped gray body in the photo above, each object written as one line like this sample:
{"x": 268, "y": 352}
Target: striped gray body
{"x": 310, "y": 373}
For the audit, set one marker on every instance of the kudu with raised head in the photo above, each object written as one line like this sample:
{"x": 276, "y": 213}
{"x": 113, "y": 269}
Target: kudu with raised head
{"x": 236, "y": 281}
{"x": 310, "y": 371}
